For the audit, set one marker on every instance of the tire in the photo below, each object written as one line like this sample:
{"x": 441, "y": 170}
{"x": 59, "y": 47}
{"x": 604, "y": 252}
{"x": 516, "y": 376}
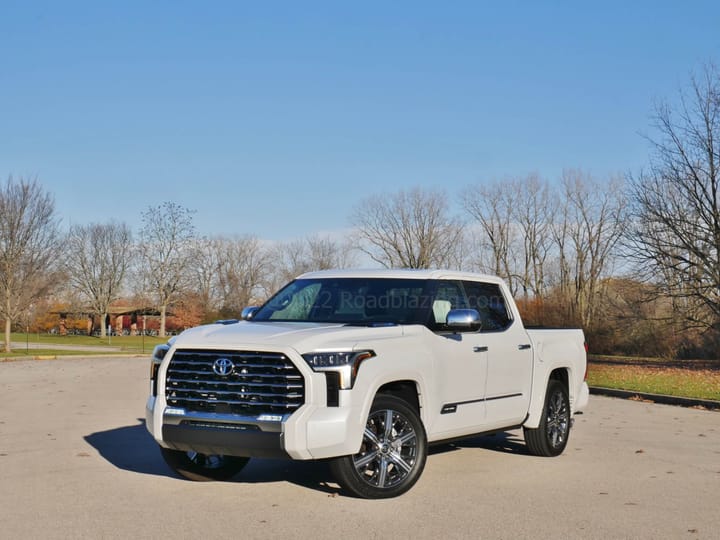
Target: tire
{"x": 202, "y": 467}
{"x": 392, "y": 455}
{"x": 550, "y": 438}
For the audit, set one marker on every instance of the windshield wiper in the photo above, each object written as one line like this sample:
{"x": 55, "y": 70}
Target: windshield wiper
{"x": 372, "y": 324}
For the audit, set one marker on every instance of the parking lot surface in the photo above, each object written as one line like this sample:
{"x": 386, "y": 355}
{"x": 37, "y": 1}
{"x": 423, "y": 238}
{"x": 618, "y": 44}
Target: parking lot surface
{"x": 77, "y": 462}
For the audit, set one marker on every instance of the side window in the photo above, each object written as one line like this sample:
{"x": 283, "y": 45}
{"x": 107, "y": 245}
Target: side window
{"x": 448, "y": 295}
{"x": 488, "y": 300}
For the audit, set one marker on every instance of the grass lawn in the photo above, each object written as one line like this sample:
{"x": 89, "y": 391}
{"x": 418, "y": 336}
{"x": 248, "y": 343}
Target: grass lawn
{"x": 131, "y": 344}
{"x": 691, "y": 382}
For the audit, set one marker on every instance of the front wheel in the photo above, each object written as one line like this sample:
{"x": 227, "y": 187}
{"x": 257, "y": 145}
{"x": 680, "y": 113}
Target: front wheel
{"x": 392, "y": 454}
{"x": 551, "y": 436}
{"x": 203, "y": 467}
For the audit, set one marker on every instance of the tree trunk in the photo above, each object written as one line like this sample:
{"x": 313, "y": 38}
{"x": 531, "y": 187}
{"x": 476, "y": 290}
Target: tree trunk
{"x": 163, "y": 310}
{"x": 7, "y": 335}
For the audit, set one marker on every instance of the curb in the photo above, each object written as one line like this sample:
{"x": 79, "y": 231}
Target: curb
{"x": 656, "y": 398}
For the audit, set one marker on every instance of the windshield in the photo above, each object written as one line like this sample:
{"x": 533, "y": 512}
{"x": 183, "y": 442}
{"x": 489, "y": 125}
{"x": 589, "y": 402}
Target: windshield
{"x": 350, "y": 301}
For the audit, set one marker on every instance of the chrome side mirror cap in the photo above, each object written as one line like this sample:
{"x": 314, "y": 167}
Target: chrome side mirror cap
{"x": 463, "y": 320}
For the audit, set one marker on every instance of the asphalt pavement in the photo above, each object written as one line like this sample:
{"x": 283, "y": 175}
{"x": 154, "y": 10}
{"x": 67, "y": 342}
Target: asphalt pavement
{"x": 77, "y": 462}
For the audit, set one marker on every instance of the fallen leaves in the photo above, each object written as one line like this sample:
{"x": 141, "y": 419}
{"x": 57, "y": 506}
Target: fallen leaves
{"x": 654, "y": 379}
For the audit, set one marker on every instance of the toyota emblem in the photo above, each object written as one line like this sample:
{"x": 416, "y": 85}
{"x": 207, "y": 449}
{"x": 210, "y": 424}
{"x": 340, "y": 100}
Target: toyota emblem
{"x": 223, "y": 367}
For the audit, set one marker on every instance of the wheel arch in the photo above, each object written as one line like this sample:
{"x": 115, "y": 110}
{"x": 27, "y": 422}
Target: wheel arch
{"x": 407, "y": 390}
{"x": 560, "y": 374}
{"x": 407, "y": 381}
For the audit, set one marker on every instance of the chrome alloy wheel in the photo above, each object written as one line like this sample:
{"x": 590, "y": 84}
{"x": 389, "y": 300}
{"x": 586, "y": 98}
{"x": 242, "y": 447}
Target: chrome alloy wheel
{"x": 558, "y": 420}
{"x": 389, "y": 449}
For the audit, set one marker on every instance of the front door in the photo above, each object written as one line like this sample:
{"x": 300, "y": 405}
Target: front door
{"x": 461, "y": 369}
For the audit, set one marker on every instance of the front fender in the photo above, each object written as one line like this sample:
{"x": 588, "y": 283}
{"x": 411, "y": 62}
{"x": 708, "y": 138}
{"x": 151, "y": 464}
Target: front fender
{"x": 356, "y": 403}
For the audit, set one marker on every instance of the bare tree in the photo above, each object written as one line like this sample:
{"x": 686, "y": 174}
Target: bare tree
{"x": 676, "y": 202}
{"x": 325, "y": 253}
{"x": 534, "y": 216}
{"x": 204, "y": 270}
{"x": 243, "y": 269}
{"x": 592, "y": 219}
{"x": 29, "y": 247}
{"x": 410, "y": 229}
{"x": 310, "y": 254}
{"x": 96, "y": 261}
{"x": 537, "y": 238}
{"x": 514, "y": 218}
{"x": 166, "y": 253}
{"x": 492, "y": 207}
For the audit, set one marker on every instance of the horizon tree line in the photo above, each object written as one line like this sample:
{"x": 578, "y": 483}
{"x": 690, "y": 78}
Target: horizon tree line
{"x": 581, "y": 250}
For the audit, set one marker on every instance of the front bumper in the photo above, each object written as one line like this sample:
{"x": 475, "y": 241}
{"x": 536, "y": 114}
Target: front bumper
{"x": 246, "y": 441}
{"x": 311, "y": 432}
{"x": 214, "y": 433}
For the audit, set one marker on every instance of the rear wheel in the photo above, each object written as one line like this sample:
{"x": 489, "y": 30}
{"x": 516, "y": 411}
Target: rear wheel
{"x": 392, "y": 455}
{"x": 551, "y": 436}
{"x": 203, "y": 467}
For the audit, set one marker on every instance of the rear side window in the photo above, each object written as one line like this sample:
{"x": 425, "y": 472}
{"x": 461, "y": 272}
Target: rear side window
{"x": 488, "y": 300}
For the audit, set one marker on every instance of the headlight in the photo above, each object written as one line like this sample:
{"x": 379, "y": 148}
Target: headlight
{"x": 344, "y": 363}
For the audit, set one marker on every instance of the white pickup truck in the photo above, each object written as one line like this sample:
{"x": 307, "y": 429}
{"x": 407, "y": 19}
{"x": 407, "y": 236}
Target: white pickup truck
{"x": 365, "y": 368}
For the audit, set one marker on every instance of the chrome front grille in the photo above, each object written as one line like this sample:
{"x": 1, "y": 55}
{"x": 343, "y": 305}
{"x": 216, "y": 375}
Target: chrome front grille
{"x": 251, "y": 384}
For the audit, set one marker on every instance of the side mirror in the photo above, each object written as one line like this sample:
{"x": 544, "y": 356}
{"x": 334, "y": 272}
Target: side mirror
{"x": 463, "y": 320}
{"x": 248, "y": 312}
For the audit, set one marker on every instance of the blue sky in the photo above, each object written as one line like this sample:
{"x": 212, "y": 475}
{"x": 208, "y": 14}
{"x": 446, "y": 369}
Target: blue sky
{"x": 276, "y": 118}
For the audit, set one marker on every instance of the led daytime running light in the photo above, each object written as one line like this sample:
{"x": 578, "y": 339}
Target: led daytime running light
{"x": 346, "y": 363}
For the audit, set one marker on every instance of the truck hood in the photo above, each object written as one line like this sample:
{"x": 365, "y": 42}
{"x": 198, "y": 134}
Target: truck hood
{"x": 303, "y": 337}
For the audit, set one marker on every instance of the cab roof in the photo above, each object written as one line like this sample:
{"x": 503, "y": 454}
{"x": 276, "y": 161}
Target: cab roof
{"x": 401, "y": 273}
